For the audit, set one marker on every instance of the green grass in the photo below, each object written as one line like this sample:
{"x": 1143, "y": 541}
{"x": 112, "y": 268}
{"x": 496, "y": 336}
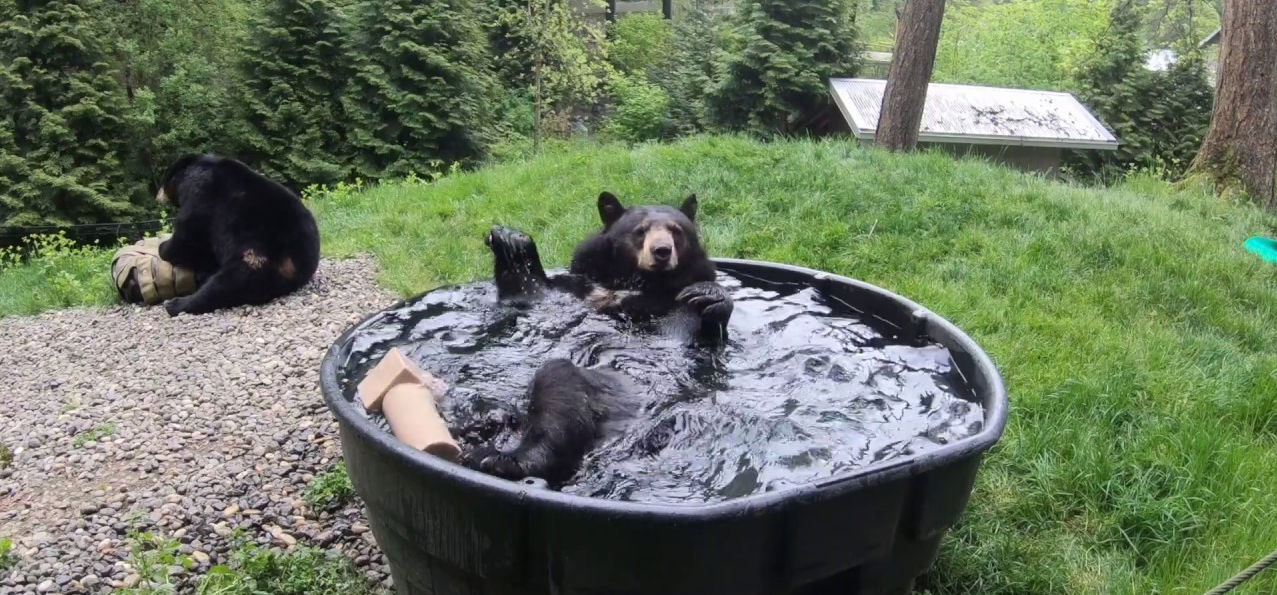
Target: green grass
{"x": 330, "y": 489}
{"x": 251, "y": 570}
{"x": 1135, "y": 335}
{"x": 254, "y": 569}
{"x": 93, "y": 435}
{"x": 50, "y": 272}
{"x": 153, "y": 559}
{"x": 7, "y": 558}
{"x": 6, "y": 455}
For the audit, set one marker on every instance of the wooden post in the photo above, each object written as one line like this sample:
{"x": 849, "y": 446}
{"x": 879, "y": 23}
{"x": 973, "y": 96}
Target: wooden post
{"x": 667, "y": 8}
{"x": 611, "y": 11}
{"x": 917, "y": 34}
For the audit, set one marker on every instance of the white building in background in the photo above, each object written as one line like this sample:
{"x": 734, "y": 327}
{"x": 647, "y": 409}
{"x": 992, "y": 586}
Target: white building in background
{"x": 1025, "y": 128}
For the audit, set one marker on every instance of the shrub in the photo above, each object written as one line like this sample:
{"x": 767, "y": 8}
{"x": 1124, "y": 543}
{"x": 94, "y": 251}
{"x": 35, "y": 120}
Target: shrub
{"x": 1031, "y": 44}
{"x": 180, "y": 71}
{"x": 303, "y": 571}
{"x": 640, "y": 43}
{"x": 780, "y": 57}
{"x": 330, "y": 488}
{"x": 690, "y": 72}
{"x": 1160, "y": 117}
{"x": 421, "y": 89}
{"x": 7, "y": 559}
{"x": 58, "y": 272}
{"x": 153, "y": 559}
{"x": 64, "y": 135}
{"x": 295, "y": 71}
{"x": 640, "y": 110}
{"x": 567, "y": 69}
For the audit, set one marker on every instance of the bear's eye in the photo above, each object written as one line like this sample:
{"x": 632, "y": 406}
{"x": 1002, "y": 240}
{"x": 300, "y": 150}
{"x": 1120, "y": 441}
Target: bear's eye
{"x": 676, "y": 231}
{"x": 639, "y": 232}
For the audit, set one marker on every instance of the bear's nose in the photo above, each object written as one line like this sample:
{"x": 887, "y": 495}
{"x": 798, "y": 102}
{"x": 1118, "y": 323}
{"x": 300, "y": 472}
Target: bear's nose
{"x": 662, "y": 253}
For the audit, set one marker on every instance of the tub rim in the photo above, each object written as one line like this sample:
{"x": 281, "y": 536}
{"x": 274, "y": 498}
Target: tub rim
{"x": 995, "y": 405}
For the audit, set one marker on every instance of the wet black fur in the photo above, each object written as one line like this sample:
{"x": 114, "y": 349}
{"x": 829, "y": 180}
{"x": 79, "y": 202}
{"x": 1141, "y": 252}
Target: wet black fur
{"x": 570, "y": 408}
{"x": 224, "y": 208}
{"x": 610, "y": 259}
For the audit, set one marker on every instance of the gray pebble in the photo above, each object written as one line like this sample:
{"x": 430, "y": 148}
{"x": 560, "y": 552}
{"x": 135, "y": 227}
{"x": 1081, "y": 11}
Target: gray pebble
{"x": 207, "y": 411}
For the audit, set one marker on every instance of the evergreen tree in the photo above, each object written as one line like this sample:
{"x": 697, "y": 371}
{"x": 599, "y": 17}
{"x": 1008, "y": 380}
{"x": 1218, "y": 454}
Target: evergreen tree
{"x": 65, "y": 144}
{"x": 1159, "y": 117}
{"x": 781, "y": 55}
{"x": 421, "y": 86}
{"x": 179, "y": 61}
{"x": 294, "y": 77}
{"x": 691, "y": 70}
{"x": 508, "y": 38}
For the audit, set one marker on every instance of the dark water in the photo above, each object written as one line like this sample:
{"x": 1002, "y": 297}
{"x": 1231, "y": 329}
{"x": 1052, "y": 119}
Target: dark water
{"x": 803, "y": 391}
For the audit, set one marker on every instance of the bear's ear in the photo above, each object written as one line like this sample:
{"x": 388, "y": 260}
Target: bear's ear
{"x": 689, "y": 207}
{"x": 610, "y": 208}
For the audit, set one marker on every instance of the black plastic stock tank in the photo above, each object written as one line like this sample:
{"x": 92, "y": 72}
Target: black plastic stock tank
{"x": 448, "y": 530}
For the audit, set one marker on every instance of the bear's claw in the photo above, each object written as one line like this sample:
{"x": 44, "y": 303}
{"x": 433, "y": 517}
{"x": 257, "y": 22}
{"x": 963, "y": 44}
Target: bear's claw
{"x": 175, "y": 306}
{"x": 710, "y": 300}
{"x": 516, "y": 264}
{"x": 494, "y": 462}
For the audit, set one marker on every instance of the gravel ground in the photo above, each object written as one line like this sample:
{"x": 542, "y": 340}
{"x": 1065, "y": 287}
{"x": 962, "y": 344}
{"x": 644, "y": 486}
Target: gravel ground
{"x": 218, "y": 424}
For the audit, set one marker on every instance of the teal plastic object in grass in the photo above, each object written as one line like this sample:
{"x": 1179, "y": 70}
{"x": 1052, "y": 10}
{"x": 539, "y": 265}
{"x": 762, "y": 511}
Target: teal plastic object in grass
{"x": 1266, "y": 248}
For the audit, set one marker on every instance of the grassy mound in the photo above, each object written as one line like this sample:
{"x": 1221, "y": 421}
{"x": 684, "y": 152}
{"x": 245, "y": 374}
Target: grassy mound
{"x": 1135, "y": 335}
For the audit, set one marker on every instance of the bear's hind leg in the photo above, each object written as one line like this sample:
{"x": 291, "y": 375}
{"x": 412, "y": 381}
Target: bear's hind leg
{"x": 562, "y": 424}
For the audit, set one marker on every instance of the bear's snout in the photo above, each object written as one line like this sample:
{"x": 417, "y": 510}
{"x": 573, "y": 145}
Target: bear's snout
{"x": 658, "y": 253}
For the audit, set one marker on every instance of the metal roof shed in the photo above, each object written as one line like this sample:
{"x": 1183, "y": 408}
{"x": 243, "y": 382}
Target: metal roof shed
{"x": 1025, "y": 128}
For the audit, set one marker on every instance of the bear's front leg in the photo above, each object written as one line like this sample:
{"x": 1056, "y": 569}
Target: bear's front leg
{"x": 180, "y": 250}
{"x": 517, "y": 268}
{"x": 711, "y": 301}
{"x": 222, "y": 290}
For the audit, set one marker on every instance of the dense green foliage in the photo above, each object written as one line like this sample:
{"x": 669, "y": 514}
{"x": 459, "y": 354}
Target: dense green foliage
{"x": 639, "y": 43}
{"x": 51, "y": 271}
{"x": 1040, "y": 44}
{"x": 322, "y": 91}
{"x": 330, "y": 489}
{"x": 640, "y": 108}
{"x": 178, "y": 60}
{"x": 420, "y": 92}
{"x": 295, "y": 71}
{"x": 779, "y": 58}
{"x": 1160, "y": 117}
{"x": 692, "y": 68}
{"x": 566, "y": 56}
{"x": 1031, "y": 44}
{"x": 63, "y": 145}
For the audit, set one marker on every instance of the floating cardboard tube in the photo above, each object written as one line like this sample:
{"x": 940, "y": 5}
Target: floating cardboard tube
{"x": 406, "y": 395}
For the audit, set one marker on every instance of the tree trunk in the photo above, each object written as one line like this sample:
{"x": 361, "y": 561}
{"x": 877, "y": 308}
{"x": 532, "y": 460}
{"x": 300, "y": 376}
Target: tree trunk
{"x": 538, "y": 63}
{"x": 917, "y": 33}
{"x": 1241, "y": 147}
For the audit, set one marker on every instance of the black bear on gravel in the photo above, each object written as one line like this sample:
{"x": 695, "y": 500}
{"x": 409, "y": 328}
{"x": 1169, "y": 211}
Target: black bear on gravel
{"x": 647, "y": 261}
{"x": 250, "y": 237}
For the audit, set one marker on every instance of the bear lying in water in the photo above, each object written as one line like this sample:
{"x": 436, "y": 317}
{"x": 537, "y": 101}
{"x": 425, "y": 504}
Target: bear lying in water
{"x": 646, "y": 263}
